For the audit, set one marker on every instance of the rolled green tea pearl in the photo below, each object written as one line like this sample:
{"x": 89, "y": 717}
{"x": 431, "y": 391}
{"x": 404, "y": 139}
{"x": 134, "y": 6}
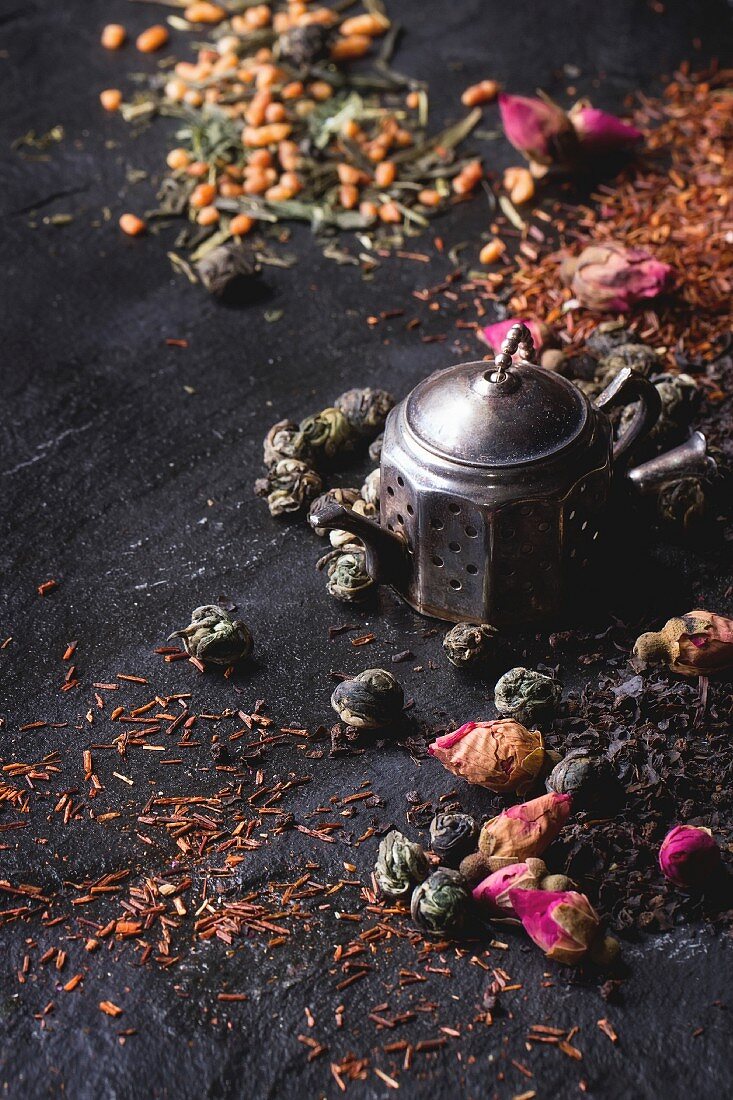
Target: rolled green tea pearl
{"x": 637, "y": 356}
{"x": 468, "y": 643}
{"x": 214, "y": 637}
{"x": 588, "y": 778}
{"x": 370, "y": 488}
{"x": 401, "y": 865}
{"x": 442, "y": 904}
{"x": 285, "y": 440}
{"x": 289, "y": 486}
{"x": 526, "y": 695}
{"x": 453, "y": 836}
{"x": 344, "y": 496}
{"x": 375, "y": 448}
{"x": 682, "y": 503}
{"x": 329, "y": 433}
{"x": 348, "y": 578}
{"x": 371, "y": 700}
{"x": 365, "y": 409}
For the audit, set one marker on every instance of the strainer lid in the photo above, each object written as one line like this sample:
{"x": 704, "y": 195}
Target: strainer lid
{"x": 464, "y": 414}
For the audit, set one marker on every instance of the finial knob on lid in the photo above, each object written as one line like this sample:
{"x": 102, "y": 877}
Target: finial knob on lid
{"x": 519, "y": 338}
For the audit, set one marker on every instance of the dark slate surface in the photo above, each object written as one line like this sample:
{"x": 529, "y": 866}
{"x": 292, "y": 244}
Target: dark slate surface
{"x": 137, "y": 497}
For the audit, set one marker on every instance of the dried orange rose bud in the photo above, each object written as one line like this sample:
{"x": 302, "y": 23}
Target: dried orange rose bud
{"x": 527, "y": 829}
{"x": 502, "y": 755}
{"x": 699, "y": 643}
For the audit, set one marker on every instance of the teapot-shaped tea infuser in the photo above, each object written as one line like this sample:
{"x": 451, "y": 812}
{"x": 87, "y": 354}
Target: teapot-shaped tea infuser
{"x": 494, "y": 481}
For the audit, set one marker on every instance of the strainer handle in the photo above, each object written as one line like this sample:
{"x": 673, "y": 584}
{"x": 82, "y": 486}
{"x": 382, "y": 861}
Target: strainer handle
{"x": 628, "y": 386}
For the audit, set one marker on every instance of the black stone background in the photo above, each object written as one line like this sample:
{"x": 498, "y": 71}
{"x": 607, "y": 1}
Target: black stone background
{"x": 137, "y": 497}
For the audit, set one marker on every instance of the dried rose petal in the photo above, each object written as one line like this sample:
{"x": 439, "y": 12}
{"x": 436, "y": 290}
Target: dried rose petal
{"x": 601, "y": 132}
{"x": 689, "y": 856}
{"x": 610, "y": 277}
{"x": 501, "y": 755}
{"x": 527, "y": 829}
{"x": 699, "y": 643}
{"x": 493, "y": 892}
{"x": 540, "y": 130}
{"x": 563, "y": 923}
{"x": 495, "y": 334}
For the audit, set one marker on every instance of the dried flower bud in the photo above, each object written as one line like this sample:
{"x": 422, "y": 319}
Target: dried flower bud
{"x": 689, "y": 856}
{"x": 285, "y": 440}
{"x": 453, "y": 836}
{"x": 289, "y": 486}
{"x": 329, "y": 433}
{"x": 601, "y": 132}
{"x": 226, "y": 268}
{"x": 697, "y": 644}
{"x": 493, "y": 892}
{"x": 526, "y": 695}
{"x": 682, "y": 503}
{"x": 527, "y": 829}
{"x": 442, "y": 904}
{"x": 476, "y": 867}
{"x": 495, "y": 334}
{"x": 375, "y": 448}
{"x": 348, "y": 577}
{"x": 468, "y": 643}
{"x": 371, "y": 487}
{"x": 214, "y": 637}
{"x": 588, "y": 778}
{"x": 501, "y": 755}
{"x": 371, "y": 700}
{"x": 401, "y": 865}
{"x": 540, "y": 130}
{"x": 609, "y": 277}
{"x": 564, "y": 925}
{"x": 346, "y": 497}
{"x": 365, "y": 409}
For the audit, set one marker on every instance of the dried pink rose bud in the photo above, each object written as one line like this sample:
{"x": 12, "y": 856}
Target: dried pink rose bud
{"x": 610, "y": 277}
{"x": 493, "y": 892}
{"x": 540, "y": 130}
{"x": 563, "y": 924}
{"x": 527, "y": 829}
{"x": 689, "y": 856}
{"x": 699, "y": 643}
{"x": 495, "y": 334}
{"x": 502, "y": 755}
{"x": 601, "y": 132}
